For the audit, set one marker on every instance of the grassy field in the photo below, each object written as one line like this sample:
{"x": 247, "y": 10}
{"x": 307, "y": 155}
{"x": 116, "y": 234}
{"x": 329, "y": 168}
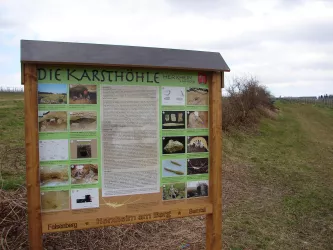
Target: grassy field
{"x": 12, "y": 157}
{"x": 52, "y": 98}
{"x": 277, "y": 180}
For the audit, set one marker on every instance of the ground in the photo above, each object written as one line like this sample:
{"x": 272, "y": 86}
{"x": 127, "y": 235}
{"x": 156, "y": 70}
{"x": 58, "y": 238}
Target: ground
{"x": 278, "y": 182}
{"x": 277, "y": 188}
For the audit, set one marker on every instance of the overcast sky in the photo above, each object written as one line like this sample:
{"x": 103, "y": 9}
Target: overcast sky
{"x": 286, "y": 44}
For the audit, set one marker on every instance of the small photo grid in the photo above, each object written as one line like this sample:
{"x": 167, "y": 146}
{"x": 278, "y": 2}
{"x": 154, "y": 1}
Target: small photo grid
{"x": 52, "y": 93}
{"x": 82, "y": 94}
{"x": 197, "y": 166}
{"x": 197, "y": 119}
{"x": 83, "y": 149}
{"x": 84, "y": 174}
{"x": 197, "y": 96}
{"x": 173, "y": 145}
{"x": 174, "y": 167}
{"x": 54, "y": 176}
{"x": 52, "y": 121}
{"x": 174, "y": 191}
{"x": 52, "y": 201}
{"x": 173, "y": 119}
{"x": 83, "y": 121}
{"x": 173, "y": 96}
{"x": 197, "y": 189}
{"x": 197, "y": 144}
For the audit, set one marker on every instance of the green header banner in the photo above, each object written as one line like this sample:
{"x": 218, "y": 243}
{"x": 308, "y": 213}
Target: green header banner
{"x": 121, "y": 76}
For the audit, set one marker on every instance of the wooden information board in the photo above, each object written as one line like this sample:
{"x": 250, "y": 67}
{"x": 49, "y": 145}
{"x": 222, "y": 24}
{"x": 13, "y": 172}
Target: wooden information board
{"x": 109, "y": 145}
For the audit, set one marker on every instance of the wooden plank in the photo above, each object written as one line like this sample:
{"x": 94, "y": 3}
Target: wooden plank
{"x": 32, "y": 156}
{"x": 214, "y": 220}
{"x": 110, "y": 219}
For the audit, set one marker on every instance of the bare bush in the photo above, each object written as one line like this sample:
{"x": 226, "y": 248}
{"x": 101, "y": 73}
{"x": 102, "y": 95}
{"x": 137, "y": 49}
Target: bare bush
{"x": 245, "y": 98}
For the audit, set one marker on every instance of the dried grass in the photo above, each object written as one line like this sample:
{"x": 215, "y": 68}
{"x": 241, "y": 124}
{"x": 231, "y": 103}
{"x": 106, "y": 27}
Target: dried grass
{"x": 185, "y": 233}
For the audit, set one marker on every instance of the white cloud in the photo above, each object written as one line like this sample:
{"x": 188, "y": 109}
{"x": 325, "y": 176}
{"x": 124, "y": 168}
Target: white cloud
{"x": 7, "y": 80}
{"x": 288, "y": 45}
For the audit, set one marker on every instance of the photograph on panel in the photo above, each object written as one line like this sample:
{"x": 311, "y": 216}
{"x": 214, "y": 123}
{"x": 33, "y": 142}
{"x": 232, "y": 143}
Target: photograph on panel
{"x": 197, "y": 119}
{"x": 174, "y": 167}
{"x": 52, "y": 121}
{"x": 174, "y": 191}
{"x": 82, "y": 94}
{"x": 197, "y": 166}
{"x": 84, "y": 198}
{"x": 173, "y": 96}
{"x": 54, "y": 200}
{"x": 53, "y": 176}
{"x": 83, "y": 149}
{"x": 197, "y": 189}
{"x": 173, "y": 144}
{"x": 197, "y": 96}
{"x": 173, "y": 119}
{"x": 52, "y": 93}
{"x": 197, "y": 144}
{"x": 83, "y": 121}
{"x": 84, "y": 173}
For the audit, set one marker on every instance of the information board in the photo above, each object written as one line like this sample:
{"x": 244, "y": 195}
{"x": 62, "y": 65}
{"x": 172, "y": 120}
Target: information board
{"x": 120, "y": 146}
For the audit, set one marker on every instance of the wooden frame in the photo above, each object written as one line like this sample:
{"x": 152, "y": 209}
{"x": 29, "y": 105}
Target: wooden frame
{"x": 212, "y": 208}
{"x": 32, "y": 156}
{"x": 214, "y": 220}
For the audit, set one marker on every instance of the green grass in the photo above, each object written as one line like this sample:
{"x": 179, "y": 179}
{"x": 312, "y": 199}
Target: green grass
{"x": 12, "y": 162}
{"x": 289, "y": 178}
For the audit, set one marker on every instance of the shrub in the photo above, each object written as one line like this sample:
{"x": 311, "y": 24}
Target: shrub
{"x": 244, "y": 97}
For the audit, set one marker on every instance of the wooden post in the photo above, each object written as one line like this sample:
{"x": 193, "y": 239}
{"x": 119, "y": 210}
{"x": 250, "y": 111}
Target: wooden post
{"x": 32, "y": 157}
{"x": 214, "y": 220}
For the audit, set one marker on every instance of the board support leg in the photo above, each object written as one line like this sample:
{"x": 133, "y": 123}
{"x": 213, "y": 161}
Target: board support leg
{"x": 214, "y": 220}
{"x": 32, "y": 157}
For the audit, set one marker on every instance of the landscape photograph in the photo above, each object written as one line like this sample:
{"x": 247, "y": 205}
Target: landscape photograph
{"x": 52, "y": 121}
{"x": 83, "y": 121}
{"x": 52, "y": 93}
{"x": 175, "y": 191}
{"x": 53, "y": 176}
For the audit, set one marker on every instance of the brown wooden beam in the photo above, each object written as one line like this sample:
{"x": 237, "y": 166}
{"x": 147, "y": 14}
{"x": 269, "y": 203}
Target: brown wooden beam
{"x": 32, "y": 157}
{"x": 214, "y": 220}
